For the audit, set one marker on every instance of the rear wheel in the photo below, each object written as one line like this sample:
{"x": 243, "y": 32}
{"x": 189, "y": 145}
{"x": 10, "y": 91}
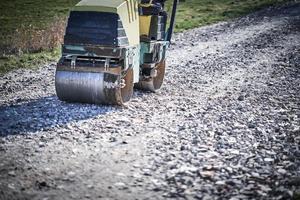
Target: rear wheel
{"x": 127, "y": 90}
{"x": 153, "y": 84}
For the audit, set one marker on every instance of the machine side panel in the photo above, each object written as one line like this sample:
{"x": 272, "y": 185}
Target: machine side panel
{"x": 130, "y": 21}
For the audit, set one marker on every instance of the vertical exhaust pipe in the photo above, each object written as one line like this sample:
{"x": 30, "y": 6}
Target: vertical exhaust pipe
{"x": 172, "y": 21}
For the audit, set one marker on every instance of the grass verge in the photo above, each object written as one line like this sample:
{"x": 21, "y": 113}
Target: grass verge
{"x": 31, "y": 30}
{"x": 28, "y": 60}
{"x": 195, "y": 13}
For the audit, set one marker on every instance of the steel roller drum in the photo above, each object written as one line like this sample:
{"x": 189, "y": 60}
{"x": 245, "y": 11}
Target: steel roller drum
{"x": 90, "y": 87}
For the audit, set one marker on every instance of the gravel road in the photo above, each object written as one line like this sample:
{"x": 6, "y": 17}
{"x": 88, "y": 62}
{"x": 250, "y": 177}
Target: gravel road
{"x": 224, "y": 126}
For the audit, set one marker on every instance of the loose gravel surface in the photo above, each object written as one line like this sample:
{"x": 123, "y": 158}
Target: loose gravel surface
{"x": 224, "y": 126}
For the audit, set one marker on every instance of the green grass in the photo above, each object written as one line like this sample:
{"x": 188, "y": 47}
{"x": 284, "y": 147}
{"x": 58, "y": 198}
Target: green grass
{"x": 16, "y": 14}
{"x": 195, "y": 13}
{"x": 38, "y": 14}
{"x": 32, "y": 15}
{"x": 27, "y": 60}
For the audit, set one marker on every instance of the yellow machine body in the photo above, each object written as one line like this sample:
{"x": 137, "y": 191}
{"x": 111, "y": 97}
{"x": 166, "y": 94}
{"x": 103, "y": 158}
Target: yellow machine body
{"x": 110, "y": 46}
{"x": 145, "y": 23}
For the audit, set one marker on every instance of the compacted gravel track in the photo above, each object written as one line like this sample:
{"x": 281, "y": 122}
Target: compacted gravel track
{"x": 224, "y": 126}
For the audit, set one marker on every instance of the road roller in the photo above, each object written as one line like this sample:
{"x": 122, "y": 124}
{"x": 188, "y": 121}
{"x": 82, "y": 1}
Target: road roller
{"x": 111, "y": 47}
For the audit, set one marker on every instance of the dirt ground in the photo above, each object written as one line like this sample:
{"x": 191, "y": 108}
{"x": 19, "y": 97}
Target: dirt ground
{"x": 224, "y": 126}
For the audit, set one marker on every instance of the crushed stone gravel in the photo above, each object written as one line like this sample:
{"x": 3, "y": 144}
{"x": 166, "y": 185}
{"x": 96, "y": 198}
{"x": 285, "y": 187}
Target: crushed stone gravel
{"x": 226, "y": 124}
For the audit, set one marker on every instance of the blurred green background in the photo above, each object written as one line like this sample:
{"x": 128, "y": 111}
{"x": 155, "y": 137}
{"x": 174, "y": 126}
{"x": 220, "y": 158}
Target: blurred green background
{"x": 31, "y": 30}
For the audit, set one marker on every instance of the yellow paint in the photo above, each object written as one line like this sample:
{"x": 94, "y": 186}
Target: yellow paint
{"x": 145, "y": 22}
{"x": 101, "y": 3}
{"x": 131, "y": 26}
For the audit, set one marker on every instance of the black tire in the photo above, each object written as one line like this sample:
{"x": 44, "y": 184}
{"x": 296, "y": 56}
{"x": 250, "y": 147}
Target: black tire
{"x": 155, "y": 83}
